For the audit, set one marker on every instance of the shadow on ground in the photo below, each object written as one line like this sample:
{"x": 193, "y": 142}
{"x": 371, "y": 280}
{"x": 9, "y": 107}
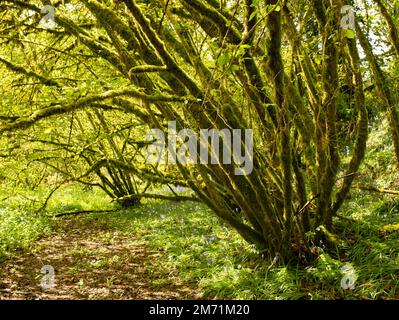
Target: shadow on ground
{"x": 90, "y": 261}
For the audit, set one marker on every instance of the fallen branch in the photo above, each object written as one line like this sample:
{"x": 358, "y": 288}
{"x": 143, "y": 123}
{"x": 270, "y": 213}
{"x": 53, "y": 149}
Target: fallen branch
{"x": 159, "y": 196}
{"x": 74, "y": 213}
{"x": 374, "y": 189}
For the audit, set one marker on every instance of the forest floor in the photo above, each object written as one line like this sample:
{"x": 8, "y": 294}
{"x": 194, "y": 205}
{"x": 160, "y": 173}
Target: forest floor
{"x": 91, "y": 261}
{"x": 169, "y": 250}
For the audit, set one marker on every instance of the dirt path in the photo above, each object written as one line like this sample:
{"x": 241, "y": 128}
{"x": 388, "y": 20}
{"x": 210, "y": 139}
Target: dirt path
{"x": 91, "y": 262}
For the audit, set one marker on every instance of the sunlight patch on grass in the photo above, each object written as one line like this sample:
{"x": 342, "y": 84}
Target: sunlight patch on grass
{"x": 20, "y": 229}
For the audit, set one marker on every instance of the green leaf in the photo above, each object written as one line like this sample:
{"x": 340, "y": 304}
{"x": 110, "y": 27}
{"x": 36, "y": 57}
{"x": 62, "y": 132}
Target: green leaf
{"x": 235, "y": 68}
{"x": 253, "y": 14}
{"x": 350, "y": 34}
{"x": 223, "y": 59}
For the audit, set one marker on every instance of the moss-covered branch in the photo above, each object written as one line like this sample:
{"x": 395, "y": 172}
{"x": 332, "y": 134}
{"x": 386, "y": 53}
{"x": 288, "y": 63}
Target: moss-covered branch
{"x": 28, "y": 73}
{"x": 26, "y": 122}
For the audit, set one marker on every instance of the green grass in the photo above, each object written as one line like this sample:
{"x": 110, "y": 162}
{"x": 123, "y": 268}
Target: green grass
{"x": 19, "y": 230}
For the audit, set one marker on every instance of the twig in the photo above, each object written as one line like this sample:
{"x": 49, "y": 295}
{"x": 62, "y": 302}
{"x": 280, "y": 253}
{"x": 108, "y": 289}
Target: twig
{"x": 307, "y": 204}
{"x": 347, "y": 175}
{"x": 163, "y": 16}
{"x": 49, "y": 196}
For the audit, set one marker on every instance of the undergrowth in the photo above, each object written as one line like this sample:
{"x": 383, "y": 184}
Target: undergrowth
{"x": 196, "y": 246}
